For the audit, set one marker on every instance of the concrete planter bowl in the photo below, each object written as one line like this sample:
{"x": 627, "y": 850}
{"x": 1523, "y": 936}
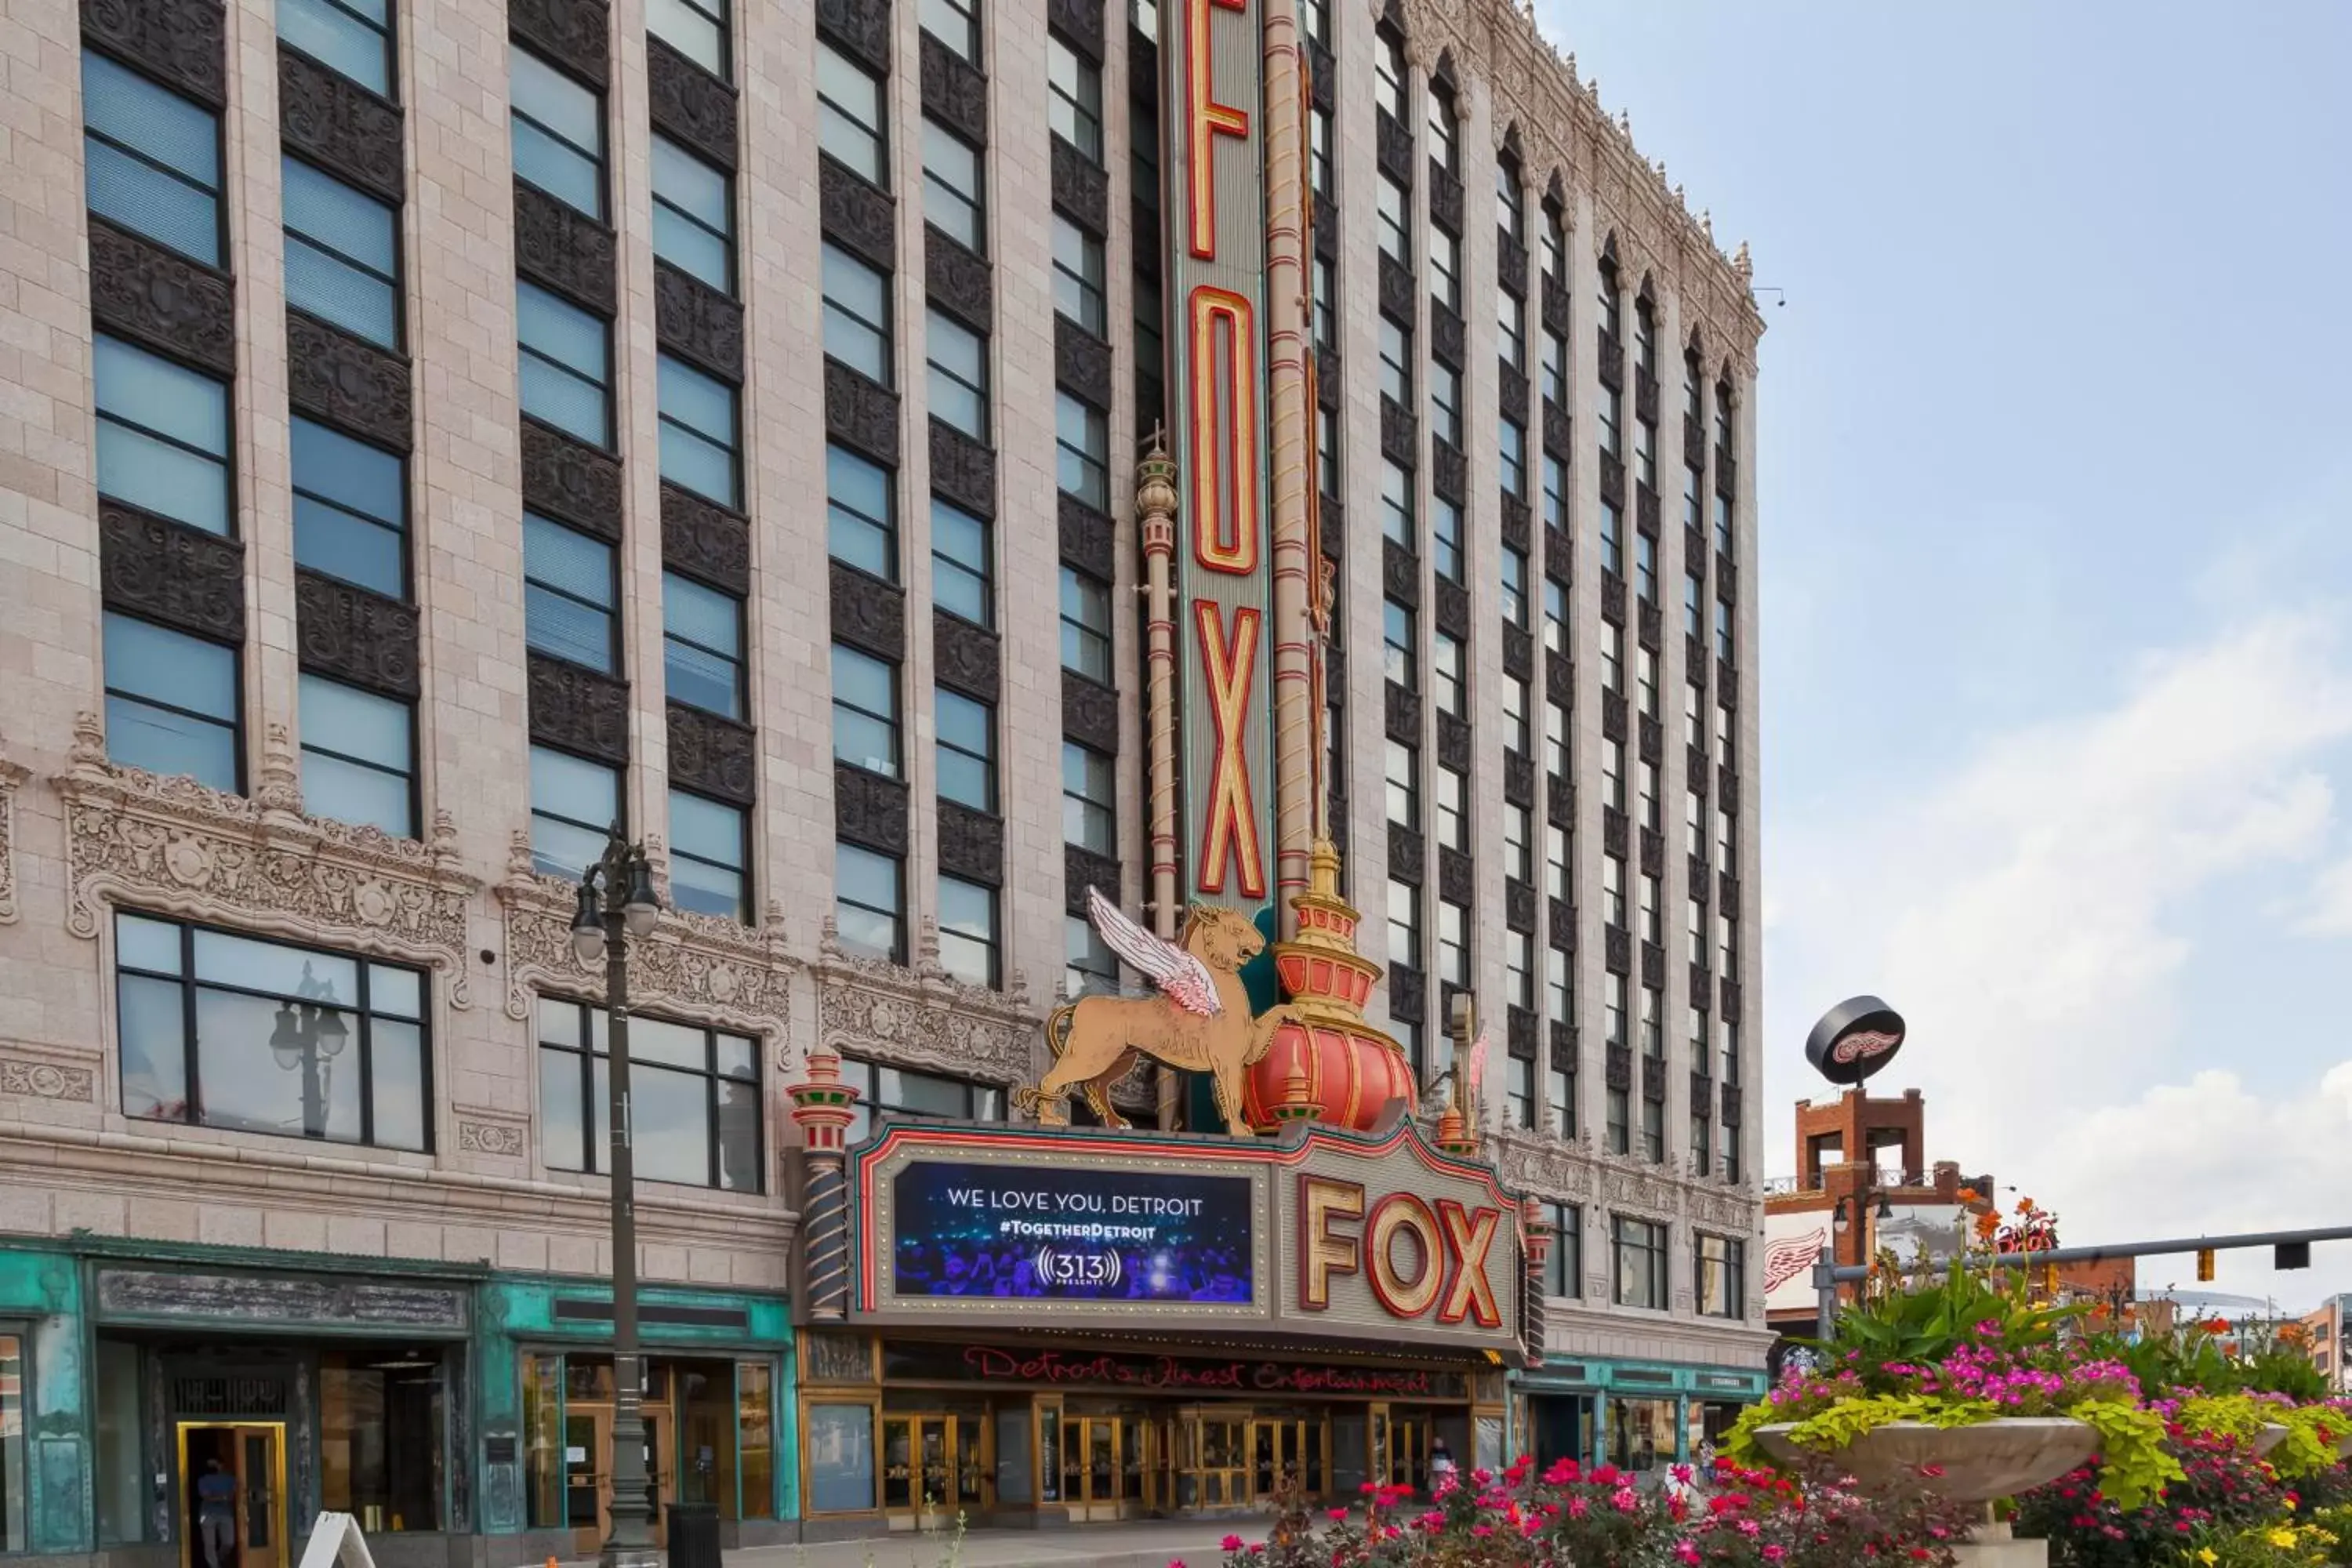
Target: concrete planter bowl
{"x": 1979, "y": 1464}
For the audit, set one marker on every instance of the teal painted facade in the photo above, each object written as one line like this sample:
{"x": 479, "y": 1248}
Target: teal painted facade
{"x": 1604, "y": 1381}
{"x": 41, "y": 1299}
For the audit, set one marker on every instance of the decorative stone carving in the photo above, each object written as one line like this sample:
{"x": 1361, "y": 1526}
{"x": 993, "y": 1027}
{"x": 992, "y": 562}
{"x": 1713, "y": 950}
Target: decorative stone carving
{"x": 962, "y": 469}
{"x": 713, "y": 755}
{"x": 501, "y": 1139}
{"x": 1449, "y": 470}
{"x": 963, "y": 284}
{"x": 1395, "y": 148}
{"x": 1617, "y": 950}
{"x": 1084, "y": 536}
{"x": 1330, "y": 384}
{"x": 257, "y": 863}
{"x": 1400, "y": 432}
{"x": 348, "y": 381}
{"x": 576, "y": 34}
{"x": 1334, "y": 530}
{"x": 1653, "y": 966}
{"x": 1727, "y": 786}
{"x": 1727, "y": 475}
{"x": 1327, "y": 220}
{"x": 1521, "y": 1029}
{"x": 1731, "y": 1105}
{"x": 1612, "y": 359}
{"x": 1559, "y": 677}
{"x": 1446, "y": 335}
{"x": 576, "y": 709}
{"x": 954, "y": 92}
{"x": 168, "y": 572}
{"x": 182, "y": 42}
{"x": 688, "y": 103}
{"x": 1695, "y": 663}
{"x": 1401, "y": 714}
{"x": 339, "y": 125}
{"x": 37, "y": 1080}
{"x": 1726, "y": 683}
{"x": 1322, "y": 74}
{"x": 1562, "y": 917}
{"x": 1558, "y": 431}
{"x": 1727, "y": 575}
{"x": 1445, "y": 198}
{"x": 1618, "y": 1067}
{"x": 355, "y": 636}
{"x": 1399, "y": 574}
{"x": 1518, "y": 779}
{"x": 1083, "y": 869}
{"x": 143, "y": 291}
{"x": 1560, "y": 554}
{"x": 1451, "y": 606}
{"x": 1645, "y": 396}
{"x": 1545, "y": 1167}
{"x": 562, "y": 248}
{"x": 1615, "y": 830}
{"x": 1696, "y": 771}
{"x": 1731, "y": 1000}
{"x": 1089, "y": 713}
{"x": 1698, "y": 880}
{"x": 1613, "y": 597}
{"x": 856, "y": 214}
{"x": 1456, "y": 877}
{"x": 1407, "y": 855}
{"x": 1613, "y": 479}
{"x": 705, "y": 540}
{"x": 1652, "y": 741}
{"x": 1560, "y": 797}
{"x": 1080, "y": 23}
{"x": 1518, "y": 521}
{"x": 1727, "y": 889}
{"x": 1511, "y": 391}
{"x": 1081, "y": 189}
{"x": 1693, "y": 444}
{"x": 1518, "y": 905}
{"x": 1407, "y": 993}
{"x": 1613, "y": 715}
{"x": 1563, "y": 1045}
{"x": 1397, "y": 294}
{"x": 860, "y": 27}
{"x": 971, "y": 844}
{"x": 1646, "y": 510}
{"x": 919, "y": 1018}
{"x": 12, "y": 779}
{"x": 1454, "y": 745}
{"x": 570, "y": 479}
{"x": 862, "y": 412}
{"x": 699, "y": 968}
{"x": 964, "y": 657}
{"x": 1702, "y": 984}
{"x": 1081, "y": 362}
{"x": 697, "y": 323}
{"x": 870, "y": 809}
{"x": 1554, "y": 305}
{"x": 1519, "y": 652}
{"x": 1694, "y": 553}
{"x": 869, "y": 613}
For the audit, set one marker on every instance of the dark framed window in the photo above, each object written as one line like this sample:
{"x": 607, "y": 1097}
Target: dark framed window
{"x": 1645, "y": 568}
{"x": 694, "y": 1098}
{"x": 1723, "y": 525}
{"x": 1405, "y": 926}
{"x": 1090, "y": 968}
{"x": 956, "y": 23}
{"x": 1448, "y": 673}
{"x": 1452, "y": 943}
{"x": 1393, "y": 208}
{"x": 1511, "y": 447}
{"x": 1556, "y": 746}
{"x": 1612, "y": 779}
{"x": 1452, "y": 796}
{"x": 1444, "y": 149}
{"x": 1511, "y": 328}
{"x": 694, "y": 28}
{"x": 1720, "y": 1280}
{"x": 962, "y": 569}
{"x": 1327, "y": 302}
{"x": 954, "y": 198}
{"x": 1645, "y": 454}
{"x": 1641, "y": 1263}
{"x": 857, "y": 315}
{"x": 703, "y": 646}
{"x": 694, "y": 211}
{"x": 1518, "y": 848}
{"x": 1612, "y": 1001}
{"x": 351, "y": 510}
{"x": 1445, "y": 538}
{"x": 1396, "y": 363}
{"x": 869, "y": 905}
{"x": 1702, "y": 1143}
{"x": 1445, "y": 269}
{"x": 1694, "y": 507}
{"x": 342, "y": 253}
{"x": 1519, "y": 986}
{"x": 1396, "y": 504}
{"x": 959, "y": 380}
{"x": 359, "y": 757}
{"x": 1610, "y": 405}
{"x": 1514, "y": 586}
{"x": 710, "y": 857}
{"x": 1522, "y": 1109}
{"x": 569, "y": 588}
{"x": 896, "y": 1094}
{"x": 865, "y": 712}
{"x": 966, "y": 748}
{"x": 1318, "y": 154}
{"x": 852, "y": 118}
{"x": 1645, "y": 337}
{"x": 163, "y": 436}
{"x": 1444, "y": 396}
{"x": 1327, "y": 450}
{"x": 557, "y": 132}
{"x": 1389, "y": 75}
{"x": 1555, "y": 244}
{"x": 1510, "y": 201}
{"x": 861, "y": 514}
{"x": 1551, "y": 357}
{"x": 1517, "y": 735}
{"x": 1555, "y": 493}
{"x": 1611, "y": 300}
{"x": 1400, "y": 657}
{"x": 1086, "y": 625}
{"x": 574, "y": 804}
{"x": 1612, "y": 549}
{"x": 1559, "y": 1007}
{"x": 567, "y": 364}
{"x": 173, "y": 704}
{"x": 1723, "y": 631}
{"x": 352, "y": 37}
{"x": 1082, "y": 442}
{"x": 1723, "y": 417}
{"x": 970, "y": 946}
{"x": 1564, "y": 1264}
{"x": 1556, "y": 881}
{"x": 1401, "y": 772}
{"x": 1079, "y": 275}
{"x": 152, "y": 160}
{"x": 1089, "y": 799}
{"x": 1074, "y": 108}
{"x": 701, "y": 433}
{"x": 224, "y": 1030}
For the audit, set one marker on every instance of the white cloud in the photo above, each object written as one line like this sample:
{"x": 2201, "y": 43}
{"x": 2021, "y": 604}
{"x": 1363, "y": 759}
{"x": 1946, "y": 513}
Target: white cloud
{"x": 2330, "y": 913}
{"x": 2035, "y": 919}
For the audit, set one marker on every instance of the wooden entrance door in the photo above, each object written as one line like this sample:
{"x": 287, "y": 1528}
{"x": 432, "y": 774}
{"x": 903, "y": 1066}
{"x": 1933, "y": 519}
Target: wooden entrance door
{"x": 1102, "y": 1466}
{"x": 1409, "y": 1450}
{"x": 934, "y": 1467}
{"x": 1287, "y": 1451}
{"x": 588, "y": 1472}
{"x": 251, "y": 1458}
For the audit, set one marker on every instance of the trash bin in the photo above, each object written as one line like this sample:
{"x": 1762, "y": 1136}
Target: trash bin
{"x": 694, "y": 1535}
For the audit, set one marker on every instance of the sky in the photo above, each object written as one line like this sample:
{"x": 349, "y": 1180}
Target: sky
{"x": 2054, "y": 497}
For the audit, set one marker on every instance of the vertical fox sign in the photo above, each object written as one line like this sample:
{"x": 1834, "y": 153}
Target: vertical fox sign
{"x": 1215, "y": 229}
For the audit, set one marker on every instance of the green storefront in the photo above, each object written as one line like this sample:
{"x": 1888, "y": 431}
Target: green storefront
{"x": 462, "y": 1415}
{"x": 1640, "y": 1416}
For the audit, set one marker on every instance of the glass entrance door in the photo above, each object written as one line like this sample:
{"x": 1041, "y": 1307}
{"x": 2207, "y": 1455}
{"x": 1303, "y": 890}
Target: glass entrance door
{"x": 233, "y": 1495}
{"x": 588, "y": 1479}
{"x": 1409, "y": 1450}
{"x": 1103, "y": 1465}
{"x": 935, "y": 1467}
{"x": 1287, "y": 1452}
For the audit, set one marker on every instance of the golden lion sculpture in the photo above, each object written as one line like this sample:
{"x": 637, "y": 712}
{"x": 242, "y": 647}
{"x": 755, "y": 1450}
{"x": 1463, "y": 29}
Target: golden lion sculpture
{"x": 1201, "y": 1020}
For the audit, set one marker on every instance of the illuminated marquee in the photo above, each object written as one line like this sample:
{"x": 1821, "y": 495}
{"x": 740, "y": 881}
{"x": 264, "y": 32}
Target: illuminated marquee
{"x": 1211, "y": 54}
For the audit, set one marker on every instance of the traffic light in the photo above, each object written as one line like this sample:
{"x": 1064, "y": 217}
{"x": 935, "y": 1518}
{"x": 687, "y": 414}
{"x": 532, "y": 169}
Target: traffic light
{"x": 2291, "y": 1255}
{"x": 2205, "y": 1266}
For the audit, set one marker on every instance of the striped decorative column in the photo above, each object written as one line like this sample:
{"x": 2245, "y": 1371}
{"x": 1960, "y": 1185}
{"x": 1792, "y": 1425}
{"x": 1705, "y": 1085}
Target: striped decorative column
{"x": 822, "y": 1108}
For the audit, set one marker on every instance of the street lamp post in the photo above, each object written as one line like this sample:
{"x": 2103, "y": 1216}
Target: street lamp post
{"x": 306, "y": 1039}
{"x": 617, "y": 901}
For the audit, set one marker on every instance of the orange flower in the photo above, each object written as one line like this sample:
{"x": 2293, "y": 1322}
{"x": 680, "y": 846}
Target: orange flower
{"x": 1970, "y": 1196}
{"x": 2025, "y": 1206}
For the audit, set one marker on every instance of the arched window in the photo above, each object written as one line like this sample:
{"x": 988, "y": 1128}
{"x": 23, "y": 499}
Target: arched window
{"x": 1443, "y": 128}
{"x": 1389, "y": 75}
{"x": 1510, "y": 201}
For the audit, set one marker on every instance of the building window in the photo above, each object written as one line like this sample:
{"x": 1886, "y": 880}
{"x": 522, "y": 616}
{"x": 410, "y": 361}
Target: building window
{"x": 694, "y": 1098}
{"x": 1401, "y": 771}
{"x": 1620, "y": 1127}
{"x": 1514, "y": 586}
{"x": 952, "y": 198}
{"x": 1511, "y": 328}
{"x": 1722, "y": 1282}
{"x": 968, "y": 939}
{"x": 703, "y": 646}
{"x": 1645, "y": 568}
{"x": 850, "y": 115}
{"x": 1150, "y": 347}
{"x": 352, "y": 38}
{"x": 1515, "y": 716}
{"x": 1645, "y": 338}
{"x": 152, "y": 160}
{"x": 342, "y": 254}
{"x": 574, "y": 804}
{"x": 1611, "y": 322}
{"x": 1404, "y": 925}
{"x": 1082, "y": 438}
{"x": 1645, "y": 454}
{"x": 1089, "y": 799}
{"x": 172, "y": 704}
{"x": 1078, "y": 275}
{"x": 1318, "y": 154}
{"x": 1510, "y": 205}
{"x": 1074, "y": 110}
{"x": 1327, "y": 305}
{"x": 707, "y": 856}
{"x": 1645, "y": 682}
{"x": 1612, "y": 551}
{"x": 694, "y": 28}
{"x": 1612, "y": 658}
{"x": 1702, "y": 1141}
{"x": 1090, "y": 968}
{"x": 894, "y": 1094}
{"x": 861, "y": 521}
{"x": 557, "y": 132}
{"x": 1453, "y": 793}
{"x": 1392, "y": 208}
{"x": 1444, "y": 269}
{"x": 956, "y": 23}
{"x": 1512, "y": 449}
{"x": 865, "y": 712}
{"x": 1723, "y": 417}
{"x": 1556, "y": 860}
{"x": 1085, "y": 625}
{"x": 1554, "y": 611}
{"x": 698, "y": 433}
{"x": 219, "y": 1030}
{"x": 1519, "y": 844}
{"x": 1519, "y": 979}
{"x": 1327, "y": 450}
{"x": 962, "y": 574}
{"x": 1729, "y": 1032}
{"x": 1564, "y": 1264}
{"x": 1555, "y": 493}
{"x": 1723, "y": 631}
{"x": 1442, "y": 150}
{"x": 1641, "y": 1264}
{"x": 1723, "y": 525}
{"x": 1555, "y": 755}
{"x": 1389, "y": 76}
{"x": 1552, "y": 360}
{"x": 856, "y": 315}
{"x": 1452, "y": 943}
{"x": 694, "y": 211}
{"x": 1445, "y": 395}
{"x": 1397, "y": 659}
{"x": 1446, "y": 672}
{"x": 966, "y": 749}
{"x": 1445, "y": 538}
{"x": 1396, "y": 504}
{"x": 1559, "y": 1006}
{"x": 351, "y": 510}
{"x": 1555, "y": 244}
{"x": 359, "y": 757}
{"x": 868, "y": 903}
{"x": 1611, "y": 406}
{"x": 566, "y": 365}
{"x": 163, "y": 436}
{"x": 1522, "y": 1090}
{"x": 958, "y": 361}
{"x": 568, "y": 594}
{"x": 1396, "y": 363}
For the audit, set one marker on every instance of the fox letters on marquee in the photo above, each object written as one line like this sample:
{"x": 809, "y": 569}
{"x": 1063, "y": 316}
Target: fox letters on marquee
{"x": 1212, "y": 62}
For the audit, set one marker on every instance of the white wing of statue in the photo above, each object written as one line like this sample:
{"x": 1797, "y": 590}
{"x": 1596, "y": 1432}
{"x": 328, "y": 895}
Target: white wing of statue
{"x": 1182, "y": 977}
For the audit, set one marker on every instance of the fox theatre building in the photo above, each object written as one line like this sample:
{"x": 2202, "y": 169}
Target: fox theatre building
{"x": 1046, "y": 1326}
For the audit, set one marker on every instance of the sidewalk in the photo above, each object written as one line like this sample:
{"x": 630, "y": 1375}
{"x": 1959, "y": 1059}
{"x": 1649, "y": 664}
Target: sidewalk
{"x": 1144, "y": 1544}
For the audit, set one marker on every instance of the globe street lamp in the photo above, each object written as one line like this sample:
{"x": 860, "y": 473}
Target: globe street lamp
{"x": 617, "y": 901}
{"x": 306, "y": 1039}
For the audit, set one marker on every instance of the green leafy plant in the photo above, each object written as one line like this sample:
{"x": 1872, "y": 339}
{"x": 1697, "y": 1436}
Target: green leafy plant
{"x": 1925, "y": 1322}
{"x": 2136, "y": 1465}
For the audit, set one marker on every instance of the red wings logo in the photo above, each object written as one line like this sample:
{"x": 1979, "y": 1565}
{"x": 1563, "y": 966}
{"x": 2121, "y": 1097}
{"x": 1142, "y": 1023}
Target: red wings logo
{"x": 1791, "y": 1256}
{"x": 1864, "y": 1044}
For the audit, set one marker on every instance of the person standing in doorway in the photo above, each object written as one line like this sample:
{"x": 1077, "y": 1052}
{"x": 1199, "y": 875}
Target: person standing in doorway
{"x": 1441, "y": 1468}
{"x": 216, "y": 1515}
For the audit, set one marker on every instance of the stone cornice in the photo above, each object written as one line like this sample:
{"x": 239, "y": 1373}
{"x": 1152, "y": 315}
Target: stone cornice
{"x": 1564, "y": 1172}
{"x": 921, "y": 1016}
{"x": 173, "y": 846}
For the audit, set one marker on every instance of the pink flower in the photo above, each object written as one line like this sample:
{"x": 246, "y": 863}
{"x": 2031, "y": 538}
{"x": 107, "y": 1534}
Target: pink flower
{"x": 1335, "y": 1514}
{"x": 1774, "y": 1554}
{"x": 1686, "y": 1552}
{"x": 1681, "y": 1473}
{"x": 1231, "y": 1543}
{"x": 1625, "y": 1500}
{"x": 1482, "y": 1531}
{"x": 1577, "y": 1507}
